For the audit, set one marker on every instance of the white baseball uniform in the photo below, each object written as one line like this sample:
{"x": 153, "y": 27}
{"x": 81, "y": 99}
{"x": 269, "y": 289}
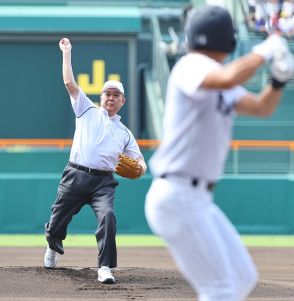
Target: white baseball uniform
{"x": 179, "y": 204}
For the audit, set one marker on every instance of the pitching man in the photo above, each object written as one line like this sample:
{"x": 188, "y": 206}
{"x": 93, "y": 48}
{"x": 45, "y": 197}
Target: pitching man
{"x": 101, "y": 145}
{"x": 203, "y": 95}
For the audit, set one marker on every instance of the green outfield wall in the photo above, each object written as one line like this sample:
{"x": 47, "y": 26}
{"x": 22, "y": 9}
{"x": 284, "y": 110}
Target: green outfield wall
{"x": 35, "y": 103}
{"x": 256, "y": 204}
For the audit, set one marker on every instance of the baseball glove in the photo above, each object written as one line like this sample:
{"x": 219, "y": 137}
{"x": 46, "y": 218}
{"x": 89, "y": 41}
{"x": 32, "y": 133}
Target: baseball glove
{"x": 128, "y": 167}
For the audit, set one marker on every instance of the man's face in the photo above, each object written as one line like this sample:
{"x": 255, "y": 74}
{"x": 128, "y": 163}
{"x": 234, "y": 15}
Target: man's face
{"x": 112, "y": 100}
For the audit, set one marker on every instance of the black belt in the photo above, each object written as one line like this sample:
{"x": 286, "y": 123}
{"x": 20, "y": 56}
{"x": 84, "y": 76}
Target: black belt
{"x": 91, "y": 171}
{"x": 194, "y": 182}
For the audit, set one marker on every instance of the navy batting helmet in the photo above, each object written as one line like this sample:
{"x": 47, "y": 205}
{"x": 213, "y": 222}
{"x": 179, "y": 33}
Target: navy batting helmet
{"x": 211, "y": 27}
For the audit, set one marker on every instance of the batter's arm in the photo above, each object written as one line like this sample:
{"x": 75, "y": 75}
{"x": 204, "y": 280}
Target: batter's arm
{"x": 242, "y": 69}
{"x": 234, "y": 73}
{"x": 261, "y": 105}
{"x": 67, "y": 72}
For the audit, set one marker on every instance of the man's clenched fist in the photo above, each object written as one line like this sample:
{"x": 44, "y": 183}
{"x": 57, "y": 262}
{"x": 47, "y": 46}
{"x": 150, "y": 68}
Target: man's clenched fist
{"x": 65, "y": 44}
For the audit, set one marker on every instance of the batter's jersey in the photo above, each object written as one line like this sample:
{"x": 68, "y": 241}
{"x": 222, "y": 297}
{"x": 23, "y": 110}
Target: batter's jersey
{"x": 197, "y": 122}
{"x": 98, "y": 138}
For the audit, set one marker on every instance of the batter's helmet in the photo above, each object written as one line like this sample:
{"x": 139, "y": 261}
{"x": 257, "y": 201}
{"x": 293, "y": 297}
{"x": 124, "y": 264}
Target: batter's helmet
{"x": 211, "y": 27}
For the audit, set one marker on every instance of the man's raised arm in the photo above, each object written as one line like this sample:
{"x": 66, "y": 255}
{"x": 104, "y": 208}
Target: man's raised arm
{"x": 67, "y": 72}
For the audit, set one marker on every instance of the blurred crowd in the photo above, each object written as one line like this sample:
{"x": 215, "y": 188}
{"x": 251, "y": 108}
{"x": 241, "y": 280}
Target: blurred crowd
{"x": 272, "y": 14}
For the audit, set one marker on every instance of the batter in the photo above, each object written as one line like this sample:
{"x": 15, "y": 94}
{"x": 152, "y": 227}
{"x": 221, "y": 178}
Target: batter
{"x": 202, "y": 98}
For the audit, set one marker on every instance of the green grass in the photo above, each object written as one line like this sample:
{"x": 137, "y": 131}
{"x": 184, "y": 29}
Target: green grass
{"x": 24, "y": 240}
{"x": 268, "y": 240}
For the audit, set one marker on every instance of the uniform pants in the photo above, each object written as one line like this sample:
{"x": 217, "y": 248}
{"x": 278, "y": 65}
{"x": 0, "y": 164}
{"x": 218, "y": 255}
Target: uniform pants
{"x": 204, "y": 244}
{"x": 76, "y": 189}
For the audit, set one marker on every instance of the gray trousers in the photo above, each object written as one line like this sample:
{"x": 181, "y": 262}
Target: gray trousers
{"x": 76, "y": 189}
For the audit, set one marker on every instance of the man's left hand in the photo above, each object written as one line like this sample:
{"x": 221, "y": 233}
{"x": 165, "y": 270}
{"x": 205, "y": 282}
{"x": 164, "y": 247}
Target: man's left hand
{"x": 128, "y": 167}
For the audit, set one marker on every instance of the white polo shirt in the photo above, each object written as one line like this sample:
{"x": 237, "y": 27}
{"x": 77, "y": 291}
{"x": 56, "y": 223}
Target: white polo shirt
{"x": 197, "y": 122}
{"x": 98, "y": 138}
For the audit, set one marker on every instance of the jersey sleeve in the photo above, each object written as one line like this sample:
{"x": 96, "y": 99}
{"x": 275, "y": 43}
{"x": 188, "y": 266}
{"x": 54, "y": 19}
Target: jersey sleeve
{"x": 132, "y": 148}
{"x": 191, "y": 71}
{"x": 81, "y": 104}
{"x": 233, "y": 95}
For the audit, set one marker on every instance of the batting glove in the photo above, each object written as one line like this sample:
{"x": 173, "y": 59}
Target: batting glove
{"x": 282, "y": 68}
{"x": 268, "y": 47}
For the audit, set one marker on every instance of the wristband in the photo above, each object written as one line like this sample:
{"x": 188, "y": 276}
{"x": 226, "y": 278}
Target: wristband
{"x": 276, "y": 84}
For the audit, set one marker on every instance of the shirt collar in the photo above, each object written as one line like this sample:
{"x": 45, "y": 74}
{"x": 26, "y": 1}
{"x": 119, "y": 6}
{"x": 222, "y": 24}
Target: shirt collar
{"x": 114, "y": 118}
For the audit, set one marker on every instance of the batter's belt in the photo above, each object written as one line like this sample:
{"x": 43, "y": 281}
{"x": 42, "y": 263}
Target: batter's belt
{"x": 193, "y": 181}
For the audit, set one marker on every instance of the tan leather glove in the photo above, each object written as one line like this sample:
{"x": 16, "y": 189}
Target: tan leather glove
{"x": 128, "y": 167}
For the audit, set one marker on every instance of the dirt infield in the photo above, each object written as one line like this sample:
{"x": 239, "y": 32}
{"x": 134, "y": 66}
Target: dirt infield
{"x": 143, "y": 274}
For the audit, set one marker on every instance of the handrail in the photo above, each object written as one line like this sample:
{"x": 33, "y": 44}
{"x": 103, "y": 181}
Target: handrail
{"x": 237, "y": 144}
{"x": 61, "y": 143}
{"x": 146, "y": 143}
{"x": 160, "y": 66}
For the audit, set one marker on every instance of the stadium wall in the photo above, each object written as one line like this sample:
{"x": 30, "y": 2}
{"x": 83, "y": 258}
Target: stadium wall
{"x": 256, "y": 204}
